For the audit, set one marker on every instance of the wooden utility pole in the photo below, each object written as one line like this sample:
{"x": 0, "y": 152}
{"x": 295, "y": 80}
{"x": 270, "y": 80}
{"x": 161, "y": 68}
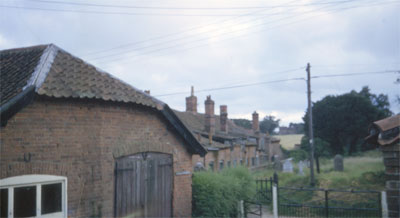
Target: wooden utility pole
{"x": 310, "y": 127}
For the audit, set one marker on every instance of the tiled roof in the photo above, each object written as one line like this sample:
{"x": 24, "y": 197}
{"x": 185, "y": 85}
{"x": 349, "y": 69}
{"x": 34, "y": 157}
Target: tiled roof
{"x": 16, "y": 67}
{"x": 195, "y": 122}
{"x": 56, "y": 73}
{"x": 50, "y": 71}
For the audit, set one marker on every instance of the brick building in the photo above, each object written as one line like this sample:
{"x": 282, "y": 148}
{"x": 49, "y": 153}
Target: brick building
{"x": 228, "y": 145}
{"x": 386, "y": 134}
{"x": 77, "y": 142}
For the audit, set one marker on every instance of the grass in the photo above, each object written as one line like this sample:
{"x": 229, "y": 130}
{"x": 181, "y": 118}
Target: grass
{"x": 362, "y": 172}
{"x": 365, "y": 171}
{"x": 289, "y": 141}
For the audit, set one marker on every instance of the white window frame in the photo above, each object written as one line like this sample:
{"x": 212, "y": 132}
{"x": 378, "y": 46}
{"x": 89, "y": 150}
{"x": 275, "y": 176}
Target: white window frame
{"x": 35, "y": 180}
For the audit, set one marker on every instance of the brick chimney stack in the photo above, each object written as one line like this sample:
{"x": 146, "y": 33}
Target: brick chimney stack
{"x": 223, "y": 118}
{"x": 209, "y": 116}
{"x": 256, "y": 125}
{"x": 191, "y": 102}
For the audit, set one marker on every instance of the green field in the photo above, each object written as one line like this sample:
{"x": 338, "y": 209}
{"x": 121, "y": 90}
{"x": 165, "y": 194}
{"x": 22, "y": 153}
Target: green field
{"x": 365, "y": 171}
{"x": 288, "y": 141}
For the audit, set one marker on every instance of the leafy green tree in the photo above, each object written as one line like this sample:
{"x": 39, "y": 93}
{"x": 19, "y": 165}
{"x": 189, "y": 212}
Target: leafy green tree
{"x": 343, "y": 120}
{"x": 269, "y": 124}
{"x": 243, "y": 123}
{"x": 299, "y": 127}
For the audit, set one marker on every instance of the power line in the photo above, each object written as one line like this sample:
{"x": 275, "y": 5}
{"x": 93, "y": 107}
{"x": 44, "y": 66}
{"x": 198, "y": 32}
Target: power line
{"x": 282, "y": 80}
{"x": 203, "y": 39}
{"x": 189, "y": 30}
{"x": 180, "y": 39}
{"x": 116, "y": 13}
{"x": 177, "y": 8}
{"x": 355, "y": 74}
{"x": 176, "y": 33}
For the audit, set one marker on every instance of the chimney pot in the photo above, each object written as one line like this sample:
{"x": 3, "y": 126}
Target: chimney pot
{"x": 223, "y": 117}
{"x": 256, "y": 125}
{"x": 191, "y": 102}
{"x": 209, "y": 116}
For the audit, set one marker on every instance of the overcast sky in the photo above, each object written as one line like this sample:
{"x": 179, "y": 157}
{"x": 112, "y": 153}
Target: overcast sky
{"x": 166, "y": 46}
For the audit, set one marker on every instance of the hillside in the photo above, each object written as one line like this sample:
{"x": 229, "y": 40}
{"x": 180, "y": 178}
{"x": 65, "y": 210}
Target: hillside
{"x": 288, "y": 141}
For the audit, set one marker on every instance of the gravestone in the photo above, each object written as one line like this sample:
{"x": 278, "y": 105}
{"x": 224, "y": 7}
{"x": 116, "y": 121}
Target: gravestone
{"x": 338, "y": 163}
{"x": 301, "y": 166}
{"x": 198, "y": 167}
{"x": 277, "y": 163}
{"x": 288, "y": 166}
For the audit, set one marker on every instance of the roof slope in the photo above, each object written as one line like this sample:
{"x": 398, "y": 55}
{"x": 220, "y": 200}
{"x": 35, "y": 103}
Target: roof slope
{"x": 50, "y": 71}
{"x": 16, "y": 68}
{"x": 196, "y": 122}
{"x": 56, "y": 73}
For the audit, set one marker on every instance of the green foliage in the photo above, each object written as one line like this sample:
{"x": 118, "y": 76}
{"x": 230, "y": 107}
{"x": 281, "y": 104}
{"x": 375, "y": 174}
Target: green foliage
{"x": 363, "y": 172}
{"x": 269, "y": 124}
{"x": 243, "y": 123}
{"x": 299, "y": 127}
{"x": 343, "y": 120}
{"x": 217, "y": 194}
{"x": 296, "y": 154}
{"x": 321, "y": 147}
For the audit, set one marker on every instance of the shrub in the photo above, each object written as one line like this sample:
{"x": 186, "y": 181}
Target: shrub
{"x": 217, "y": 194}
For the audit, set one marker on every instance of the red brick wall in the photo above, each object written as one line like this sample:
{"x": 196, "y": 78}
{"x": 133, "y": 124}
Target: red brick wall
{"x": 80, "y": 140}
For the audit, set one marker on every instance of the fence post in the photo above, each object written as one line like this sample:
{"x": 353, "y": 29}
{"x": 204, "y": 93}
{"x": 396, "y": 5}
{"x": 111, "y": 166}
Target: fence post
{"x": 240, "y": 209}
{"x": 275, "y": 199}
{"x": 384, "y": 205}
{"x": 326, "y": 204}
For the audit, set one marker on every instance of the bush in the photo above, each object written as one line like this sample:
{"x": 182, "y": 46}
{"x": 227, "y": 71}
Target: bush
{"x": 217, "y": 194}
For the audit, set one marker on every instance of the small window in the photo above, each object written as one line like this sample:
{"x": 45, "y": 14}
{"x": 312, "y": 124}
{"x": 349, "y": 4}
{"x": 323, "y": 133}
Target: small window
{"x": 33, "y": 196}
{"x": 3, "y": 202}
{"x": 25, "y": 201}
{"x": 51, "y": 198}
{"x": 221, "y": 164}
{"x": 229, "y": 163}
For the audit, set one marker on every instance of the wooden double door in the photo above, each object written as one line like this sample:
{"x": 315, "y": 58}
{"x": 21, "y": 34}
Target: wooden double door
{"x": 143, "y": 185}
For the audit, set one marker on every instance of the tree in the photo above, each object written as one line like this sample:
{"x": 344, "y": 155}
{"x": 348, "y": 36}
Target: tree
{"x": 243, "y": 123}
{"x": 343, "y": 120}
{"x": 299, "y": 127}
{"x": 269, "y": 124}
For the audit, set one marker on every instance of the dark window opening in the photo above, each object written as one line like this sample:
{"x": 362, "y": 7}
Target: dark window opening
{"x": 25, "y": 201}
{"x": 3, "y": 202}
{"x": 51, "y": 198}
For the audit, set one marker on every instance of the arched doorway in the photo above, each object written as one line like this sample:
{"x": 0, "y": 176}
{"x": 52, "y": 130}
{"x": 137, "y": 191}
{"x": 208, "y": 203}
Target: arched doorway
{"x": 143, "y": 185}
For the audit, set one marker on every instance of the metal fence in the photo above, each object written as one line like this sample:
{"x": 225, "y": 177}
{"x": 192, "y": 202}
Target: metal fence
{"x": 313, "y": 202}
{"x": 307, "y": 202}
{"x": 264, "y": 190}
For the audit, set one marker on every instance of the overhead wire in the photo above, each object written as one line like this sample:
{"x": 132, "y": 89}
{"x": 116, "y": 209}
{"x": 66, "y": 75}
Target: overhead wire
{"x": 125, "y": 45}
{"x": 178, "y": 39}
{"x": 207, "y": 38}
{"x": 282, "y": 80}
{"x": 138, "y": 56}
{"x": 177, "y": 8}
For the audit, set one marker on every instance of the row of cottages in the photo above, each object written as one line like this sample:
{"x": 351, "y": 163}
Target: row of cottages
{"x": 77, "y": 142}
{"x": 228, "y": 145}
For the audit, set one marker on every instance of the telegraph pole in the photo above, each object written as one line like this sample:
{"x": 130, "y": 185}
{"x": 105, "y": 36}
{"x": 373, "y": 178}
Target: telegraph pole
{"x": 310, "y": 128}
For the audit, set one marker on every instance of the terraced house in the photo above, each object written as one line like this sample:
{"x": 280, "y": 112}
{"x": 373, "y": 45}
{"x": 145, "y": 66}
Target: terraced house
{"x": 77, "y": 142}
{"x": 228, "y": 145}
